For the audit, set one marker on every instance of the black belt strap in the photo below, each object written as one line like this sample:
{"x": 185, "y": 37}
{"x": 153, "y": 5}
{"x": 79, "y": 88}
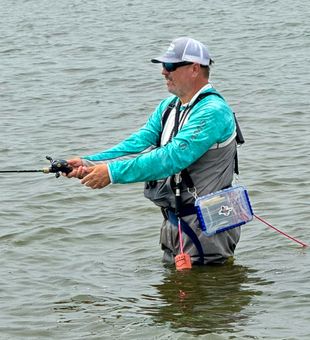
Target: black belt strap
{"x": 186, "y": 210}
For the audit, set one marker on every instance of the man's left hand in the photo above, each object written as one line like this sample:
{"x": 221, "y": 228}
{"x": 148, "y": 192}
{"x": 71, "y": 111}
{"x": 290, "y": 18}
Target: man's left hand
{"x": 98, "y": 177}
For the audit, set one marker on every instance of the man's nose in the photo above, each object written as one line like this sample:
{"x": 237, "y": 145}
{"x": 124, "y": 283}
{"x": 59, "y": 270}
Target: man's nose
{"x": 164, "y": 72}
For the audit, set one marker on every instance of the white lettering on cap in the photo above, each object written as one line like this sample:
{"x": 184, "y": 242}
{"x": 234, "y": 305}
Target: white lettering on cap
{"x": 171, "y": 47}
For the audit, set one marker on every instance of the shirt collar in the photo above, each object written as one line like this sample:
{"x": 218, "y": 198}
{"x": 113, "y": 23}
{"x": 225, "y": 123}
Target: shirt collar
{"x": 206, "y": 87}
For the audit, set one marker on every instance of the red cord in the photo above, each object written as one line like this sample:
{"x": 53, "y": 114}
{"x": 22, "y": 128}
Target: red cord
{"x": 180, "y": 235}
{"x": 281, "y": 232}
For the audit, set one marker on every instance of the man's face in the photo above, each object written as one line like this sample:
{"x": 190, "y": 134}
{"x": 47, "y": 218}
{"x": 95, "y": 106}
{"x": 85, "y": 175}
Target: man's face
{"x": 179, "y": 81}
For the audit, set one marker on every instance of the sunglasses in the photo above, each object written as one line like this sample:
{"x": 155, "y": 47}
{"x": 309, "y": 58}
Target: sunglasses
{"x": 170, "y": 67}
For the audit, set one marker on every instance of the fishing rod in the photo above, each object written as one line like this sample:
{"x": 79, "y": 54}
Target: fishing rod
{"x": 56, "y": 167}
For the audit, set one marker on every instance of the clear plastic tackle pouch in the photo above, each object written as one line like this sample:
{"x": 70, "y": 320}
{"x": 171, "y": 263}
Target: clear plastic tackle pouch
{"x": 224, "y": 209}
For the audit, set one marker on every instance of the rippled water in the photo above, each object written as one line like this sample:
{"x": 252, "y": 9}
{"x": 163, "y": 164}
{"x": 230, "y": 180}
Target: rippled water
{"x": 84, "y": 264}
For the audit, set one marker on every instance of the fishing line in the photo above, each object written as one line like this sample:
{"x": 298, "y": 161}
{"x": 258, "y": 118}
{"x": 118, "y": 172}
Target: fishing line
{"x": 180, "y": 236}
{"x": 280, "y": 231}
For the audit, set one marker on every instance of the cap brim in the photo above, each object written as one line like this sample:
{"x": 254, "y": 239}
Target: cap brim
{"x": 164, "y": 59}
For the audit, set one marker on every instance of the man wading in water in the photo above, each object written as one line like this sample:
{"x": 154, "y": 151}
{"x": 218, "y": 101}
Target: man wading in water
{"x": 192, "y": 134}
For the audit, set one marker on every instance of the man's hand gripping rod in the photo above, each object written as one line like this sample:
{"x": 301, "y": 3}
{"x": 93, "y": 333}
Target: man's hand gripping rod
{"x": 56, "y": 167}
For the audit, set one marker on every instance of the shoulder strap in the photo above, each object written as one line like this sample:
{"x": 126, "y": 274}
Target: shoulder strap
{"x": 171, "y": 105}
{"x": 206, "y": 94}
{"x": 165, "y": 116}
{"x": 169, "y": 108}
{"x": 239, "y": 137}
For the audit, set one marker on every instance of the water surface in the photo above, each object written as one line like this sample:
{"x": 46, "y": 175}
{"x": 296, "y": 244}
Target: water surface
{"x": 84, "y": 264}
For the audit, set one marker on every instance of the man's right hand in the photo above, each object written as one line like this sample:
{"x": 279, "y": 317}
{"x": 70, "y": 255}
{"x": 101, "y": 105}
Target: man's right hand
{"x": 79, "y": 170}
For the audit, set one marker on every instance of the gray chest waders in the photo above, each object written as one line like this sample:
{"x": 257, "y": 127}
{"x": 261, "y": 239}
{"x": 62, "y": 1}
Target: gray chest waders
{"x": 188, "y": 209}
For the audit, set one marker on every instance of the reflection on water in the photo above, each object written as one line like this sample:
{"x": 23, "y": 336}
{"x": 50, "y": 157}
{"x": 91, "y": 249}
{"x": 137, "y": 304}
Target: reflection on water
{"x": 205, "y": 299}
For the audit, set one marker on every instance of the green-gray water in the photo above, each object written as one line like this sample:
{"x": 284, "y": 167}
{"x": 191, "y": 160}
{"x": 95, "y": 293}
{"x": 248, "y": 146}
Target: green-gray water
{"x": 78, "y": 263}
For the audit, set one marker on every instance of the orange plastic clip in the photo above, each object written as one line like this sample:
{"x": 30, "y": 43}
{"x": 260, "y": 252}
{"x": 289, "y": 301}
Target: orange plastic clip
{"x": 183, "y": 261}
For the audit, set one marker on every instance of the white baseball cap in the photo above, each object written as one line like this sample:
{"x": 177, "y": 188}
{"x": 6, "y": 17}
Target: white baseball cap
{"x": 185, "y": 49}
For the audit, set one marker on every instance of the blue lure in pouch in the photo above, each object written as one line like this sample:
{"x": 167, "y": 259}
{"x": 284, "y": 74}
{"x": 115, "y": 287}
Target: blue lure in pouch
{"x": 223, "y": 210}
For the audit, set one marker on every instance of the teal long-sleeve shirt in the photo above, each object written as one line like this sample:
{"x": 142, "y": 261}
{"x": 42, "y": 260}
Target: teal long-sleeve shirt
{"x": 210, "y": 121}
